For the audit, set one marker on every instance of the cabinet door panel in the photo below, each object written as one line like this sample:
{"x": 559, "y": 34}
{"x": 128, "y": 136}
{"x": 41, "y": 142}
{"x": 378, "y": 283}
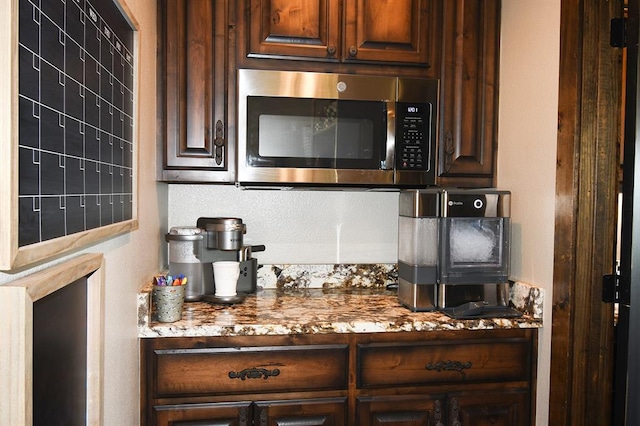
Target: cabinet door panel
{"x": 309, "y": 412}
{"x": 410, "y": 37}
{"x": 500, "y": 408}
{"x": 469, "y": 89}
{"x": 418, "y": 410}
{"x": 193, "y": 43}
{"x": 294, "y": 28}
{"x": 221, "y": 414}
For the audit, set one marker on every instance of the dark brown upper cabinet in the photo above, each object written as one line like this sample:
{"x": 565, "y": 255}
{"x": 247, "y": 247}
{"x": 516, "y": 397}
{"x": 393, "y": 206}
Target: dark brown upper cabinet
{"x": 293, "y": 29}
{"x": 201, "y": 43}
{"x": 193, "y": 57}
{"x": 405, "y": 32}
{"x": 469, "y": 93}
{"x": 344, "y": 31}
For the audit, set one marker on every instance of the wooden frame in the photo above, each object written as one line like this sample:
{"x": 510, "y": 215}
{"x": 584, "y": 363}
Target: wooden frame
{"x": 11, "y": 255}
{"x": 586, "y": 208}
{"x": 16, "y": 336}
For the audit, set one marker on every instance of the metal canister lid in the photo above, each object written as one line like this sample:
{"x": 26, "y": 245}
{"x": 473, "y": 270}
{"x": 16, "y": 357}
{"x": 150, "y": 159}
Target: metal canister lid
{"x": 184, "y": 233}
{"x": 222, "y": 224}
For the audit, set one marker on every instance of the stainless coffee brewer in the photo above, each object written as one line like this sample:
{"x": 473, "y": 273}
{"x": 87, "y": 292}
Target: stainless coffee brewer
{"x": 193, "y": 249}
{"x": 223, "y": 239}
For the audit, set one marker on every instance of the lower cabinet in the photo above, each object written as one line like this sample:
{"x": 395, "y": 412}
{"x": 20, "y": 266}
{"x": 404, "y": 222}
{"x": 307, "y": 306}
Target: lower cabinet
{"x": 457, "y": 378}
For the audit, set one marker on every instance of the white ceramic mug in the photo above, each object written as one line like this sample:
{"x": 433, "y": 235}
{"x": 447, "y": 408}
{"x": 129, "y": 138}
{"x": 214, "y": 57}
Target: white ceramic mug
{"x": 225, "y": 275}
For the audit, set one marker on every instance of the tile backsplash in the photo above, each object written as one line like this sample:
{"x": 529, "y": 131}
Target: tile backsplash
{"x": 297, "y": 226}
{"x": 327, "y": 276}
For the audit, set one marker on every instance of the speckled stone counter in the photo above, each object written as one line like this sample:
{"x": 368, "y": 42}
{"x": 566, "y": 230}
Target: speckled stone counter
{"x": 355, "y": 302}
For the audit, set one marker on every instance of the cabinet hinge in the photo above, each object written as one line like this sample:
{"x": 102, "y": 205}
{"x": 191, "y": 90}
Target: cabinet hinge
{"x": 611, "y": 288}
{"x": 618, "y": 36}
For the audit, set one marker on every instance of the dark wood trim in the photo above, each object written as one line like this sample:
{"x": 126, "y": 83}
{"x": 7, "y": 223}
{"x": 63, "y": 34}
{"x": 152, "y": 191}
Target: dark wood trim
{"x": 586, "y": 188}
{"x": 564, "y": 241}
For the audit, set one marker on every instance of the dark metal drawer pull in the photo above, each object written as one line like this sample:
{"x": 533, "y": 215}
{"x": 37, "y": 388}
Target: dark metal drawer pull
{"x": 254, "y": 373}
{"x": 449, "y": 366}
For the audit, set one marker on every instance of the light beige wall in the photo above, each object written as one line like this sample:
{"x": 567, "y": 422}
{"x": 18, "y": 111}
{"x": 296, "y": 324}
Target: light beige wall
{"x": 527, "y": 151}
{"x": 133, "y": 258}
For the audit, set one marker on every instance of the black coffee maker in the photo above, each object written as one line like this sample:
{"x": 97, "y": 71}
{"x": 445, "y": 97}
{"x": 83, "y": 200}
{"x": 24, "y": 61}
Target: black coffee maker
{"x": 223, "y": 239}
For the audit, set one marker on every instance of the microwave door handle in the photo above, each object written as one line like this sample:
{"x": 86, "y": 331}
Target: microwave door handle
{"x": 390, "y": 149}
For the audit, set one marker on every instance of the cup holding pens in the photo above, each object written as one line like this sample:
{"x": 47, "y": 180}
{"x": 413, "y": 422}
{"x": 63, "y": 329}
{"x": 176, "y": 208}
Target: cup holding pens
{"x": 168, "y": 300}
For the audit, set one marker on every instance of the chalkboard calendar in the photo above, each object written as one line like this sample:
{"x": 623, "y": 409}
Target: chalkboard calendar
{"x": 71, "y": 125}
{"x": 76, "y": 112}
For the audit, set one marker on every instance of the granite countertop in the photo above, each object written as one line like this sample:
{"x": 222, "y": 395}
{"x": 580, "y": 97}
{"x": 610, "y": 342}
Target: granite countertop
{"x": 286, "y": 307}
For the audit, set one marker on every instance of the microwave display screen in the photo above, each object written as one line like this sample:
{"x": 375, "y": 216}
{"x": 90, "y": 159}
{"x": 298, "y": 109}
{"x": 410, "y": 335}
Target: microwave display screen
{"x": 318, "y": 133}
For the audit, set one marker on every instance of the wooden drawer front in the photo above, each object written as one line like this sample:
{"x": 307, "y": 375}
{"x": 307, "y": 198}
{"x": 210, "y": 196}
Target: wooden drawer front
{"x": 211, "y": 371}
{"x": 436, "y": 362}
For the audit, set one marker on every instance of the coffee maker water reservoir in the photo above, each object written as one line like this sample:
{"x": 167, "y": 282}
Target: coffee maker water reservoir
{"x": 185, "y": 250}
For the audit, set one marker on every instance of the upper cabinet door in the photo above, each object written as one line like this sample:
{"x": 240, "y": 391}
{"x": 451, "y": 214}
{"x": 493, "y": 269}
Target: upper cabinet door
{"x": 402, "y": 32}
{"x": 294, "y": 28}
{"x": 399, "y": 31}
{"x": 193, "y": 42}
{"x": 469, "y": 92}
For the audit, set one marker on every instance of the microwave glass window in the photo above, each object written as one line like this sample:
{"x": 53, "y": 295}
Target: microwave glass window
{"x": 313, "y": 137}
{"x": 299, "y": 132}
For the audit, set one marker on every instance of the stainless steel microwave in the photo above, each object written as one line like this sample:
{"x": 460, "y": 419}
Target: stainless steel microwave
{"x": 322, "y": 129}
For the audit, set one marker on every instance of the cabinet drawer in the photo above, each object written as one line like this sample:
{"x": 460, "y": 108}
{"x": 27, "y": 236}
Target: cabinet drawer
{"x": 382, "y": 364}
{"x": 237, "y": 370}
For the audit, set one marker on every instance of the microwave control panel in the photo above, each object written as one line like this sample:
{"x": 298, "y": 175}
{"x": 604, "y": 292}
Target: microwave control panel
{"x": 413, "y": 135}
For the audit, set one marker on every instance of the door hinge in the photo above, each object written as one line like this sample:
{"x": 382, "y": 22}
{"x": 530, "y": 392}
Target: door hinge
{"x": 611, "y": 288}
{"x": 618, "y": 36}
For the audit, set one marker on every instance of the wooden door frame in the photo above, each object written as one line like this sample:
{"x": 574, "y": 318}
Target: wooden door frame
{"x": 586, "y": 189}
